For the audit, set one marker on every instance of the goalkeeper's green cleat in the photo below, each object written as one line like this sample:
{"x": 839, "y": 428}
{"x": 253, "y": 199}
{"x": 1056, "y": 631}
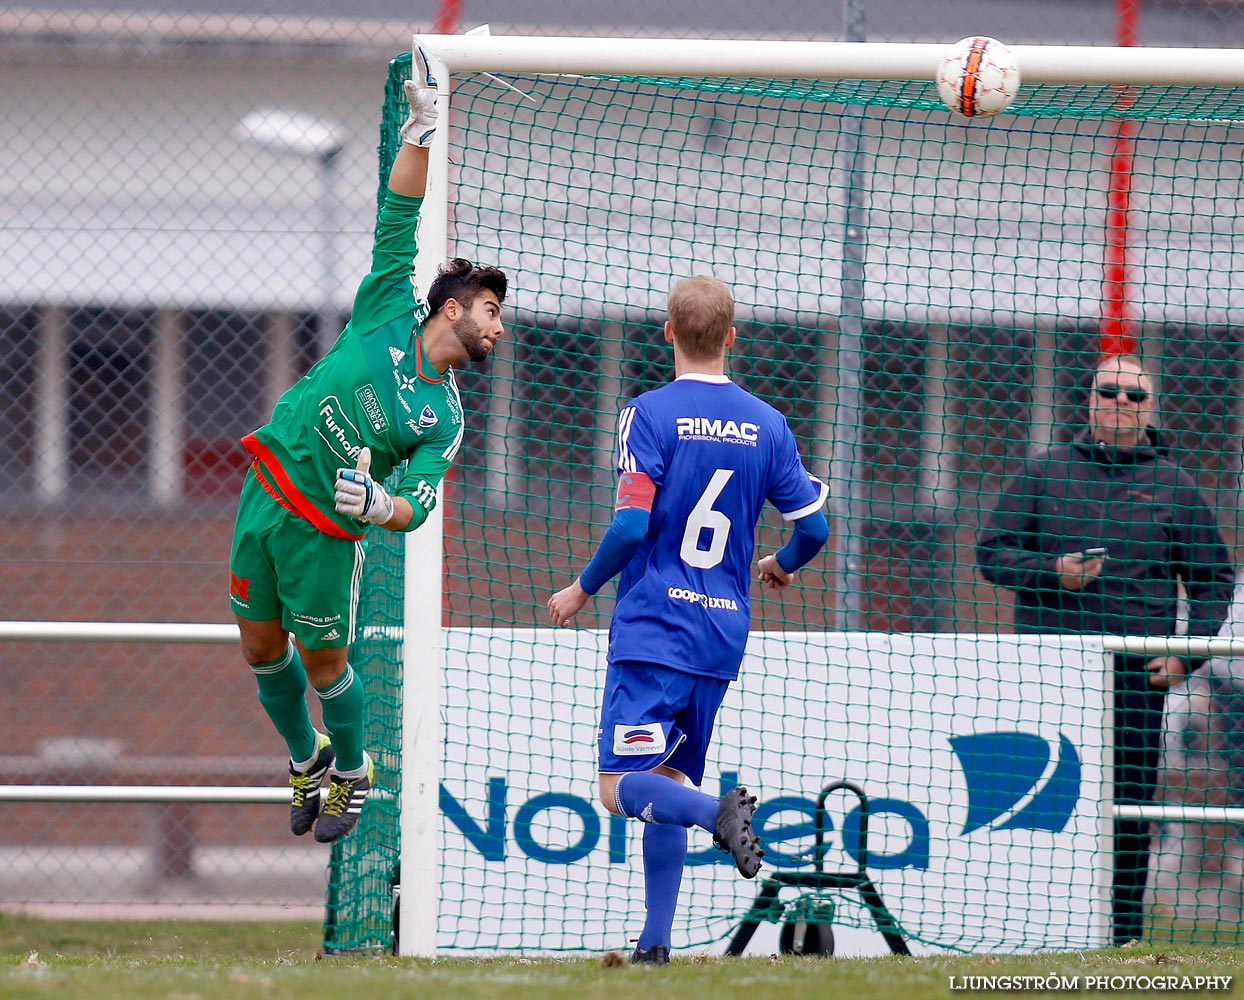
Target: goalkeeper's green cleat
{"x": 305, "y": 805}
{"x": 343, "y": 804}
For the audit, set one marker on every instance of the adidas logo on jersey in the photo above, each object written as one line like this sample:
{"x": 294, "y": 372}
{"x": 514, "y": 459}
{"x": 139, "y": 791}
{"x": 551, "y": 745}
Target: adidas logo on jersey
{"x": 706, "y": 429}
{"x": 396, "y": 355}
{"x": 332, "y": 633}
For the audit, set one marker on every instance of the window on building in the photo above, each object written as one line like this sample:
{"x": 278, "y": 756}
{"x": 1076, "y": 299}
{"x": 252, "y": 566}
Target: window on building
{"x": 475, "y": 385}
{"x": 892, "y": 387}
{"x": 556, "y": 371}
{"x": 109, "y": 395}
{"x": 1200, "y": 403}
{"x": 19, "y": 351}
{"x": 778, "y": 362}
{"x": 1075, "y": 355}
{"x": 647, "y": 360}
{"x": 225, "y": 361}
{"x": 988, "y": 409}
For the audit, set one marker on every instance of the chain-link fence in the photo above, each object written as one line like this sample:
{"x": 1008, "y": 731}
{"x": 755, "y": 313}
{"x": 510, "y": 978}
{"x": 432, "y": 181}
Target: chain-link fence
{"x": 168, "y": 269}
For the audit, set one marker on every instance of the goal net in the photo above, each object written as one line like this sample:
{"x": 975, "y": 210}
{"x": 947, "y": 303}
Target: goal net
{"x": 923, "y": 297}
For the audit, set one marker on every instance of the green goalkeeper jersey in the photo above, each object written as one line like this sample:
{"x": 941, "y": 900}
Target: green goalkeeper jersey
{"x": 374, "y": 389}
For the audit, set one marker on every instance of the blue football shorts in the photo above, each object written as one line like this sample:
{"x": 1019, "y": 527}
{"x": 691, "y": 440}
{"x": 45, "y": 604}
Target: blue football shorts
{"x": 653, "y": 715}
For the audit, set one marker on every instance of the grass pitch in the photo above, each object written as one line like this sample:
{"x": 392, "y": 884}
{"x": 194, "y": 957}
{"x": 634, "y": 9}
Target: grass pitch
{"x": 80, "y": 960}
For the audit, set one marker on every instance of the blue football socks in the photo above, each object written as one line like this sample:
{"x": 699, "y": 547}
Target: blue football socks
{"x": 655, "y": 798}
{"x": 665, "y": 853}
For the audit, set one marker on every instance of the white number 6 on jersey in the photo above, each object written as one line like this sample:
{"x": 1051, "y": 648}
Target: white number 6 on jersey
{"x": 704, "y": 518}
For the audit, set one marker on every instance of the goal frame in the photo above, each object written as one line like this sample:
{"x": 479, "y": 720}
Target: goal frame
{"x": 447, "y": 55}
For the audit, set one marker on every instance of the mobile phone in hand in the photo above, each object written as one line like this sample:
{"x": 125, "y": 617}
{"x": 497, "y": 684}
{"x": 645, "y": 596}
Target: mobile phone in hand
{"x": 1099, "y": 553}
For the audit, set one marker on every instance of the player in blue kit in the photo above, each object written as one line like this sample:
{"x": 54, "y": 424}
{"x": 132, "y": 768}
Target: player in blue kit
{"x": 697, "y": 460}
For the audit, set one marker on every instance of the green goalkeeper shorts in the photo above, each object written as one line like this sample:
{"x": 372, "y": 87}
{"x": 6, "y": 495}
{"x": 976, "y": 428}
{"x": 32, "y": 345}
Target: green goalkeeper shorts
{"x": 282, "y": 567}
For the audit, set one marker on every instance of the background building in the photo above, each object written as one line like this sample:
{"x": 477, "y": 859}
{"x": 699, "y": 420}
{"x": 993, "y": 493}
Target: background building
{"x": 164, "y": 276}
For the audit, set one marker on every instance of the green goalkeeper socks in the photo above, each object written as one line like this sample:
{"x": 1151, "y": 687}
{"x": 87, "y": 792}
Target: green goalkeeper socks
{"x": 283, "y": 693}
{"x": 342, "y": 705}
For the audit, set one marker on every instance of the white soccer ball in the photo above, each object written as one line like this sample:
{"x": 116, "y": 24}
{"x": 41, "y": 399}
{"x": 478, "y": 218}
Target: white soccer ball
{"x": 979, "y": 77}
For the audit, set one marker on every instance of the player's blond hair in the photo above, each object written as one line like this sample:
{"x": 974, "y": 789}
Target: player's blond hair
{"x": 701, "y": 313}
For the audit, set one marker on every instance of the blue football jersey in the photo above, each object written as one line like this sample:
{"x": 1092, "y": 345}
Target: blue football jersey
{"x": 716, "y": 454}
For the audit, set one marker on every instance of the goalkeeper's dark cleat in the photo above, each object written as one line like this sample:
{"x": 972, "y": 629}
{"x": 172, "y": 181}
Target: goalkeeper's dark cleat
{"x": 658, "y": 954}
{"x": 343, "y": 804}
{"x": 306, "y": 802}
{"x": 733, "y": 832}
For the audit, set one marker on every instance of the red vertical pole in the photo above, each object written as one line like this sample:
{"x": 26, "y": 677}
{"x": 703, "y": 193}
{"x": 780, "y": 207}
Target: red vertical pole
{"x": 1118, "y": 324}
{"x": 447, "y": 14}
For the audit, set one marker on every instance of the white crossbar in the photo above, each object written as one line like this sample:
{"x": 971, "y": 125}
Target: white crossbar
{"x": 1095, "y": 64}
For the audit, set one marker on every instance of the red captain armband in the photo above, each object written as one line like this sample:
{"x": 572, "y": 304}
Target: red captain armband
{"x": 635, "y": 489}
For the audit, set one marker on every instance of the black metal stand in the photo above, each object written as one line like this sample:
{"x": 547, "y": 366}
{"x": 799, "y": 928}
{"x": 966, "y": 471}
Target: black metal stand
{"x": 768, "y": 907}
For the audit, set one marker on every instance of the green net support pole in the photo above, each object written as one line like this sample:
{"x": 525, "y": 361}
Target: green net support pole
{"x": 364, "y": 867}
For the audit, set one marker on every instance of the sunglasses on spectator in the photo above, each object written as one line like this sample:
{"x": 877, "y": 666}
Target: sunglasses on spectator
{"x": 1112, "y": 392}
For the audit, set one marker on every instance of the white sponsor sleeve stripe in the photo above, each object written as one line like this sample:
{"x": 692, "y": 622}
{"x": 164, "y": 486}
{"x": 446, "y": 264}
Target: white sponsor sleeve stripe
{"x": 452, "y": 386}
{"x": 823, "y": 492}
{"x": 452, "y": 450}
{"x": 626, "y": 461}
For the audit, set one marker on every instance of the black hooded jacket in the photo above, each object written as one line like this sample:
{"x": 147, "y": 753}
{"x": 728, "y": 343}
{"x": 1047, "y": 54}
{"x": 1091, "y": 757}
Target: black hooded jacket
{"x": 1139, "y": 506}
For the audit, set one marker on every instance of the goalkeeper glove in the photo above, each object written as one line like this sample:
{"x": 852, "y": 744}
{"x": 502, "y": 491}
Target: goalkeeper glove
{"x": 358, "y": 495}
{"x": 421, "y": 93}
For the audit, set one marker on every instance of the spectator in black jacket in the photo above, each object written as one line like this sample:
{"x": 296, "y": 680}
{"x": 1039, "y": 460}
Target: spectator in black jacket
{"x": 1113, "y": 489}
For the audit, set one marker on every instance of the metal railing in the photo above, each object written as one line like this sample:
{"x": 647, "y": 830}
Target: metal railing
{"x": 207, "y": 634}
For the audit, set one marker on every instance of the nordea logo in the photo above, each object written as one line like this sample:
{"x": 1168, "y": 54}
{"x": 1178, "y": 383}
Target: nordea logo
{"x": 1015, "y": 781}
{"x": 1004, "y": 773}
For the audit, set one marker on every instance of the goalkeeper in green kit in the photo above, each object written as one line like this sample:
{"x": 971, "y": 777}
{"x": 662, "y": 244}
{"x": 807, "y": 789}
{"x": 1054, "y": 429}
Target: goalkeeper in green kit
{"x": 384, "y": 394}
